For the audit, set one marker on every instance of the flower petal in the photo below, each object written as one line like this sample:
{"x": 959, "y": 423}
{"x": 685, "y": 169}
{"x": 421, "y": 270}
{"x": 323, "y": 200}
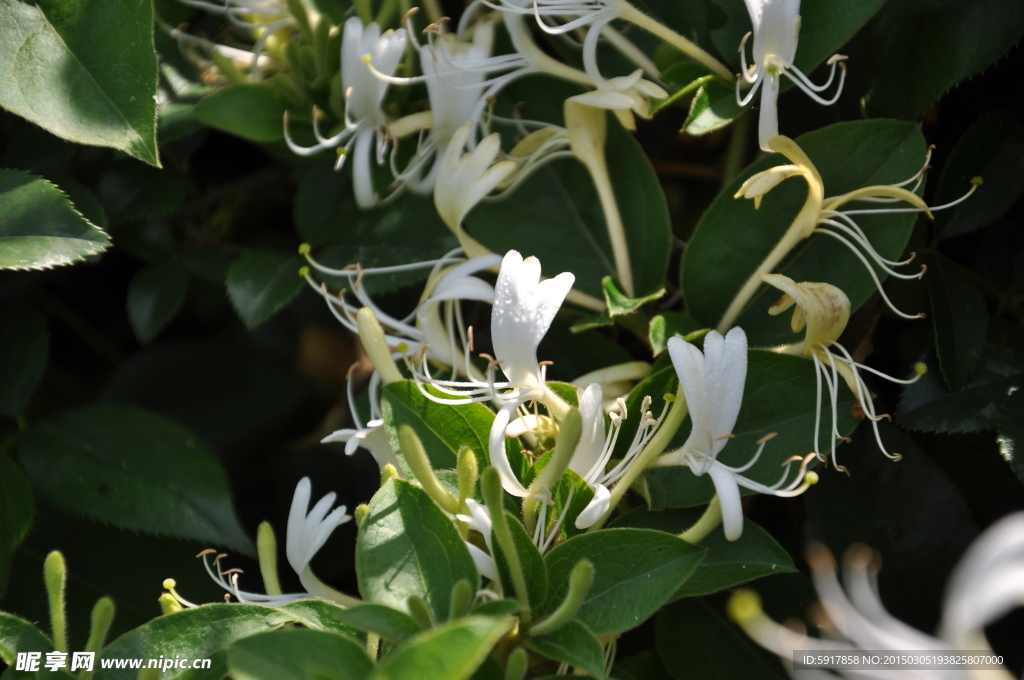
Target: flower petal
{"x": 499, "y": 457}
{"x": 729, "y": 496}
{"x": 596, "y": 509}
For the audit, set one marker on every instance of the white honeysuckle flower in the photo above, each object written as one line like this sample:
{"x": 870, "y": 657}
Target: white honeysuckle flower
{"x": 776, "y": 32}
{"x": 465, "y": 179}
{"x": 306, "y": 534}
{"x": 987, "y": 584}
{"x": 823, "y": 310}
{"x": 831, "y": 216}
{"x": 713, "y": 383}
{"x": 364, "y": 92}
{"x": 594, "y": 452}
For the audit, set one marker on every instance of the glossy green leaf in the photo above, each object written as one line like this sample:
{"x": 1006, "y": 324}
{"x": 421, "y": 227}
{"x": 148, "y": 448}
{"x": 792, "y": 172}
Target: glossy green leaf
{"x": 555, "y": 214}
{"x": 909, "y": 511}
{"x": 61, "y": 76}
{"x": 154, "y": 298}
{"x": 635, "y": 572}
{"x": 530, "y": 561}
{"x": 449, "y": 652}
{"x": 18, "y": 635}
{"x": 1011, "y": 433}
{"x": 733, "y": 238}
{"x": 694, "y": 639}
{"x": 713, "y": 107}
{"x": 201, "y": 633}
{"x": 24, "y": 346}
{"x": 929, "y": 406}
{"x": 921, "y": 49}
{"x": 669, "y": 325}
{"x": 298, "y": 654}
{"x": 17, "y": 508}
{"x": 389, "y": 623}
{"x": 993, "y": 149}
{"x": 132, "y": 468}
{"x": 255, "y": 112}
{"x": 960, "y": 317}
{"x": 408, "y": 546}
{"x": 132, "y": 191}
{"x": 726, "y": 563}
{"x": 780, "y": 395}
{"x": 573, "y": 644}
{"x": 39, "y": 228}
{"x": 619, "y": 304}
{"x": 261, "y": 282}
{"x": 442, "y": 428}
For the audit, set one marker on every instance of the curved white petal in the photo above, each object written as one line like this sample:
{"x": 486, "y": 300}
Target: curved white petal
{"x": 596, "y": 509}
{"x": 729, "y": 496}
{"x": 484, "y": 562}
{"x": 296, "y": 522}
{"x": 588, "y": 451}
{"x": 499, "y": 457}
{"x": 768, "y": 118}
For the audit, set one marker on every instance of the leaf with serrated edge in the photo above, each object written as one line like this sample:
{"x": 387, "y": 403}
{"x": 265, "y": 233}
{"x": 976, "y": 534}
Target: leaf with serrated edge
{"x": 39, "y": 228}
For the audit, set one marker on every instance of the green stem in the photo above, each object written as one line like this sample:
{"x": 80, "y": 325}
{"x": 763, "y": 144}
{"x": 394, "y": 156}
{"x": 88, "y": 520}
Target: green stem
{"x": 711, "y": 518}
{"x": 667, "y": 430}
{"x": 364, "y": 11}
{"x": 55, "y": 577}
{"x": 490, "y": 485}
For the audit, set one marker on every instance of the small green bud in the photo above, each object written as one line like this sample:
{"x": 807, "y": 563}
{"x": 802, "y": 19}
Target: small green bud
{"x": 266, "y": 548}
{"x": 387, "y": 472}
{"x": 518, "y": 664}
{"x": 580, "y": 580}
{"x": 55, "y": 576}
{"x": 419, "y": 612}
{"x": 372, "y": 337}
{"x": 168, "y": 605}
{"x": 102, "y": 617}
{"x": 361, "y": 510}
{"x": 462, "y": 597}
{"x": 469, "y": 473}
{"x": 416, "y": 457}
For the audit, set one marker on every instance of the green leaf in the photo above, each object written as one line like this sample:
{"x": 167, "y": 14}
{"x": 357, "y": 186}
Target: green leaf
{"x": 726, "y": 563}
{"x": 960, "y": 317}
{"x": 201, "y": 633}
{"x": 529, "y": 559}
{"x": 713, "y": 107}
{"x": 449, "y": 652}
{"x": 320, "y": 615}
{"x": 695, "y": 640}
{"x": 442, "y": 428}
{"x": 619, "y": 304}
{"x": 1011, "y": 433}
{"x": 17, "y": 508}
{"x": 261, "y": 282}
{"x": 131, "y": 191}
{"x": 921, "y": 49}
{"x": 39, "y": 228}
{"x": 733, "y": 238}
{"x": 928, "y": 406}
{"x": 498, "y": 608}
{"x": 389, "y": 623}
{"x": 993, "y": 149}
{"x": 555, "y": 214}
{"x": 909, "y": 511}
{"x": 255, "y": 112}
{"x": 408, "y": 546}
{"x": 154, "y": 298}
{"x": 127, "y": 466}
{"x": 635, "y": 572}
{"x": 668, "y": 325}
{"x": 298, "y": 654}
{"x": 24, "y": 346}
{"x": 573, "y": 644}
{"x": 61, "y": 76}
{"x": 779, "y": 395}
{"x": 643, "y": 666}
{"x": 18, "y": 635}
